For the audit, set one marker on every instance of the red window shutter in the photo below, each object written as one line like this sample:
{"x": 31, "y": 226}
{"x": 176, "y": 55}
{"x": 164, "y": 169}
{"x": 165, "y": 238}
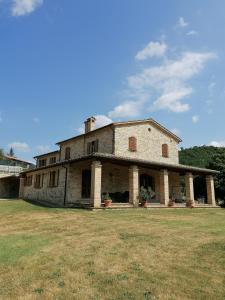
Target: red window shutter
{"x": 165, "y": 150}
{"x": 132, "y": 143}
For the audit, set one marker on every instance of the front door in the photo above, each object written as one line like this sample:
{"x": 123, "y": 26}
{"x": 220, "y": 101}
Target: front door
{"x": 86, "y": 183}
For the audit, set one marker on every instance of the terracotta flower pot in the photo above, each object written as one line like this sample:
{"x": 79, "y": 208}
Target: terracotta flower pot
{"x": 107, "y": 203}
{"x": 171, "y": 203}
{"x": 144, "y": 204}
{"x": 190, "y": 204}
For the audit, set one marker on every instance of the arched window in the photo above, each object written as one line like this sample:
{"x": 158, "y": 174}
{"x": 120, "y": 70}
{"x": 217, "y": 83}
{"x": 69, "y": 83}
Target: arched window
{"x": 165, "y": 150}
{"x": 132, "y": 143}
{"x": 67, "y": 153}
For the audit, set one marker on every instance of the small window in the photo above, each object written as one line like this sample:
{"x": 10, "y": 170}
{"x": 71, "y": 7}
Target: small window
{"x": 28, "y": 180}
{"x": 165, "y": 150}
{"x": 39, "y": 181}
{"x": 92, "y": 147}
{"x": 67, "y": 153}
{"x": 42, "y": 163}
{"x": 53, "y": 179}
{"x": 132, "y": 143}
{"x": 52, "y": 160}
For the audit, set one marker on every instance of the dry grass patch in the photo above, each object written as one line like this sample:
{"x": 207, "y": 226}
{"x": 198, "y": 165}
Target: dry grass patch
{"x": 50, "y": 253}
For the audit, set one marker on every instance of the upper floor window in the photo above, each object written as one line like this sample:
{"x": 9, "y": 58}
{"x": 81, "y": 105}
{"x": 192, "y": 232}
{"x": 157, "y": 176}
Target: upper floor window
{"x": 53, "y": 179}
{"x": 92, "y": 147}
{"x": 52, "y": 160}
{"x": 165, "y": 150}
{"x": 67, "y": 153}
{"x": 42, "y": 163}
{"x": 132, "y": 143}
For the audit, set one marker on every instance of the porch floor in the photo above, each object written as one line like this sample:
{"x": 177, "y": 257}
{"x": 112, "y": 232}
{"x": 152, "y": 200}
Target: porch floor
{"x": 155, "y": 205}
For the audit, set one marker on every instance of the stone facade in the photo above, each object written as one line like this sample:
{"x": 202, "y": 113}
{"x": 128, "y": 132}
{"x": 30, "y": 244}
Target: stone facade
{"x": 149, "y": 143}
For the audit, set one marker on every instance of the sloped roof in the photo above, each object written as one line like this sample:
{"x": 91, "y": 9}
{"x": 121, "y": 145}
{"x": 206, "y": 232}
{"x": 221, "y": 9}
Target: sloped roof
{"x": 114, "y": 124}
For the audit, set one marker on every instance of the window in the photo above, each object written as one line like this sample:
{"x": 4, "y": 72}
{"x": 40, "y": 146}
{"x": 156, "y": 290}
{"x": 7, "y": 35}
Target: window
{"x": 28, "y": 180}
{"x": 92, "y": 147}
{"x": 42, "y": 163}
{"x": 52, "y": 160}
{"x": 39, "y": 178}
{"x": 67, "y": 153}
{"x": 165, "y": 150}
{"x": 132, "y": 143}
{"x": 54, "y": 179}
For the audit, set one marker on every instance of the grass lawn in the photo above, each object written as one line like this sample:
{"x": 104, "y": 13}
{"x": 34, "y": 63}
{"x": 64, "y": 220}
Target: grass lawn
{"x": 48, "y": 253}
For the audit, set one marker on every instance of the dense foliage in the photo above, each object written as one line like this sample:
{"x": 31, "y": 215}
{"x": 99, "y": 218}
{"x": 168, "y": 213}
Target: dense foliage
{"x": 206, "y": 157}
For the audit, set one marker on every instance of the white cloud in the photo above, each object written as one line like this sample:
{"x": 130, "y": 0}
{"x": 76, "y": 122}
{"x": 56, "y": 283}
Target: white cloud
{"x": 195, "y": 119}
{"x": 102, "y": 120}
{"x": 217, "y": 143}
{"x": 41, "y": 149}
{"x": 127, "y": 109}
{"x": 182, "y": 23}
{"x": 170, "y": 80}
{"x": 192, "y": 32}
{"x": 24, "y": 7}
{"x": 36, "y": 120}
{"x": 176, "y": 131}
{"x": 20, "y": 147}
{"x": 152, "y": 49}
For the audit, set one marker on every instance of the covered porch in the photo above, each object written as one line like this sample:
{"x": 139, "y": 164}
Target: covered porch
{"x": 122, "y": 178}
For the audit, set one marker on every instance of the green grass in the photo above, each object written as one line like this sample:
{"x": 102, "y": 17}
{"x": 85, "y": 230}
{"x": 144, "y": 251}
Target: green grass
{"x": 48, "y": 253}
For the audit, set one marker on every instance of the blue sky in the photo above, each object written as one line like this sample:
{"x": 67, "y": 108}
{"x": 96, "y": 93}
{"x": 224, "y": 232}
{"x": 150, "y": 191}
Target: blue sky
{"x": 63, "y": 61}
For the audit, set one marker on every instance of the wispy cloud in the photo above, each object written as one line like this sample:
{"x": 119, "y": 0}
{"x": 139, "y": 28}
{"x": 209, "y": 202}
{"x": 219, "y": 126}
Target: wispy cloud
{"x": 24, "y": 7}
{"x": 192, "y": 32}
{"x": 41, "y": 149}
{"x": 20, "y": 147}
{"x": 151, "y": 50}
{"x": 195, "y": 119}
{"x": 170, "y": 80}
{"x": 217, "y": 143}
{"x": 36, "y": 120}
{"x": 182, "y": 23}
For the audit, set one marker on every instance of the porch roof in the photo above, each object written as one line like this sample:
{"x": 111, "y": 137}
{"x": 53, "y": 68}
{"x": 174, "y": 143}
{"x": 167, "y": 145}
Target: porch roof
{"x": 104, "y": 157}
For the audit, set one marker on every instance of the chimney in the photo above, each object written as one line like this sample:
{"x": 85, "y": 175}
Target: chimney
{"x": 89, "y": 124}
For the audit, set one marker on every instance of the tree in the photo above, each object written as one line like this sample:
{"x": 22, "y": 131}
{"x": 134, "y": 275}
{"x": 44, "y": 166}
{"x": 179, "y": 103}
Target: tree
{"x": 1, "y": 154}
{"x": 218, "y": 163}
{"x": 11, "y": 152}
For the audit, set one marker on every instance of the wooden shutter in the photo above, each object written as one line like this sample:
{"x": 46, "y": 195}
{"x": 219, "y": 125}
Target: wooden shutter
{"x": 132, "y": 143}
{"x": 165, "y": 150}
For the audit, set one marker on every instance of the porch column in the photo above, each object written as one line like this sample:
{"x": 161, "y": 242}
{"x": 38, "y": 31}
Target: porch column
{"x": 21, "y": 188}
{"x": 134, "y": 185}
{"x": 189, "y": 187}
{"x": 96, "y": 183}
{"x": 164, "y": 187}
{"x": 210, "y": 190}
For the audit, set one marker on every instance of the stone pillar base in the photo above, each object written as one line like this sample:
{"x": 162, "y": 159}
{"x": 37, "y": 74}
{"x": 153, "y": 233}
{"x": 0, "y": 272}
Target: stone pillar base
{"x": 190, "y": 203}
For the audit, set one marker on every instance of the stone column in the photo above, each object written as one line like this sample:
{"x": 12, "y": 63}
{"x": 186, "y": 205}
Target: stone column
{"x": 189, "y": 187}
{"x": 164, "y": 187}
{"x": 21, "y": 189}
{"x": 134, "y": 185}
{"x": 210, "y": 190}
{"x": 96, "y": 183}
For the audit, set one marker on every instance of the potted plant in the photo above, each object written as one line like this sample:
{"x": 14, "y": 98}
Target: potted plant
{"x": 107, "y": 200}
{"x": 146, "y": 195}
{"x": 172, "y": 199}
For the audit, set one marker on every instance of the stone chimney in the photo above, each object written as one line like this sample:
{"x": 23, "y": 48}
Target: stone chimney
{"x": 89, "y": 124}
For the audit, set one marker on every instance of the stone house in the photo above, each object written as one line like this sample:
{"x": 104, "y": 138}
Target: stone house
{"x": 118, "y": 159}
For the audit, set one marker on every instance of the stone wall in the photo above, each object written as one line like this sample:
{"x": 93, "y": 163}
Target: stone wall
{"x": 54, "y": 195}
{"x": 149, "y": 143}
{"x": 48, "y": 157}
{"x": 78, "y": 146}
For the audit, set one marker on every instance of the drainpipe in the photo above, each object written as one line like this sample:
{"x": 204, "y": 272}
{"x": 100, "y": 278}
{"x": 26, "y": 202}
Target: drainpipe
{"x": 65, "y": 186}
